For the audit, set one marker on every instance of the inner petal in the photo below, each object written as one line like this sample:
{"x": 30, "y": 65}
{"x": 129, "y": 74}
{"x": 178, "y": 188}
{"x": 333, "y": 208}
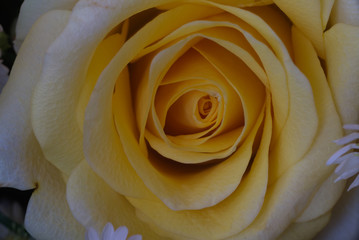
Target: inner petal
{"x": 192, "y": 112}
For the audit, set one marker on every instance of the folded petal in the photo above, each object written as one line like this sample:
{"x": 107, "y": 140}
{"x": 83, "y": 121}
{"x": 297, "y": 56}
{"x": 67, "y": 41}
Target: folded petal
{"x": 48, "y": 213}
{"x": 94, "y": 203}
{"x": 345, "y": 11}
{"x": 310, "y": 17}
{"x": 342, "y": 53}
{"x": 305, "y": 230}
{"x": 31, "y": 10}
{"x": 19, "y": 149}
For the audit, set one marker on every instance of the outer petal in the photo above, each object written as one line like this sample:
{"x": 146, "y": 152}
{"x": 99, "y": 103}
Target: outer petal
{"x": 305, "y": 230}
{"x": 57, "y": 130}
{"x": 306, "y": 59}
{"x": 31, "y": 10}
{"x": 310, "y": 17}
{"x": 345, "y": 218}
{"x": 345, "y": 11}
{"x": 48, "y": 215}
{"x": 94, "y": 203}
{"x": 342, "y": 49}
{"x": 22, "y": 163}
{"x": 20, "y": 153}
{"x": 292, "y": 192}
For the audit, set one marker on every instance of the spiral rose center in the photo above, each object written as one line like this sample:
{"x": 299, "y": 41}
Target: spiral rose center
{"x": 191, "y": 113}
{"x": 205, "y": 106}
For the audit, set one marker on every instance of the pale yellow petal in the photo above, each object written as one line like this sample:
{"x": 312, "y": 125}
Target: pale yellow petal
{"x": 307, "y": 16}
{"x": 306, "y": 59}
{"x": 302, "y": 119}
{"x": 226, "y": 218}
{"x": 345, "y": 11}
{"x": 19, "y": 149}
{"x": 48, "y": 215}
{"x": 342, "y": 50}
{"x": 58, "y": 92}
{"x": 99, "y": 118}
{"x": 181, "y": 187}
{"x": 305, "y": 230}
{"x": 344, "y": 218}
{"x": 94, "y": 203}
{"x": 323, "y": 200}
{"x": 31, "y": 10}
{"x": 102, "y": 56}
{"x": 108, "y": 159}
{"x": 292, "y": 192}
{"x": 240, "y": 3}
{"x": 326, "y": 6}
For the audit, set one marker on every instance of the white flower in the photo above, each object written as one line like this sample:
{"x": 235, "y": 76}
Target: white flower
{"x": 348, "y": 156}
{"x": 109, "y": 233}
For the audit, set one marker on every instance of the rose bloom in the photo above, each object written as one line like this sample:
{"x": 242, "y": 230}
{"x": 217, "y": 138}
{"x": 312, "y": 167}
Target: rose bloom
{"x": 179, "y": 119}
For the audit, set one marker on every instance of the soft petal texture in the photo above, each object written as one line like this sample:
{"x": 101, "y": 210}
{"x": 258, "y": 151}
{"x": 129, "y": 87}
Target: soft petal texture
{"x": 345, "y": 218}
{"x": 42, "y": 220}
{"x": 121, "y": 233}
{"x": 105, "y": 150}
{"x": 135, "y": 237}
{"x": 309, "y": 17}
{"x": 48, "y": 208}
{"x": 94, "y": 203}
{"x": 91, "y": 234}
{"x": 100, "y": 105}
{"x": 342, "y": 49}
{"x": 19, "y": 148}
{"x": 31, "y": 10}
{"x": 323, "y": 200}
{"x": 345, "y": 11}
{"x": 305, "y": 230}
{"x": 307, "y": 60}
{"x": 305, "y": 176}
{"x": 226, "y": 218}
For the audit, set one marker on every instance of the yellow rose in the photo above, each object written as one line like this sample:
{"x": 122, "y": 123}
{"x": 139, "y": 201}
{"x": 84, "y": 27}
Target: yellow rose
{"x": 179, "y": 119}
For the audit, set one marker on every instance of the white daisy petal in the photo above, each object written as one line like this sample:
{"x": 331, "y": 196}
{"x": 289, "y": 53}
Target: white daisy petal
{"x": 350, "y": 164}
{"x": 107, "y": 233}
{"x": 348, "y": 156}
{"x": 354, "y": 127}
{"x": 91, "y": 234}
{"x": 120, "y": 233}
{"x": 355, "y": 183}
{"x": 342, "y": 151}
{"x": 347, "y": 139}
{"x": 135, "y": 237}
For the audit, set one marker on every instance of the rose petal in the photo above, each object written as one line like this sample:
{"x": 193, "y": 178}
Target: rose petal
{"x": 226, "y": 218}
{"x": 307, "y": 60}
{"x": 55, "y": 110}
{"x": 100, "y": 121}
{"x": 344, "y": 220}
{"x": 19, "y": 148}
{"x": 310, "y": 17}
{"x": 305, "y": 230}
{"x": 345, "y": 11}
{"x": 342, "y": 50}
{"x": 292, "y": 191}
{"x": 94, "y": 203}
{"x": 31, "y": 10}
{"x": 176, "y": 186}
{"x": 47, "y": 212}
{"x": 323, "y": 200}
